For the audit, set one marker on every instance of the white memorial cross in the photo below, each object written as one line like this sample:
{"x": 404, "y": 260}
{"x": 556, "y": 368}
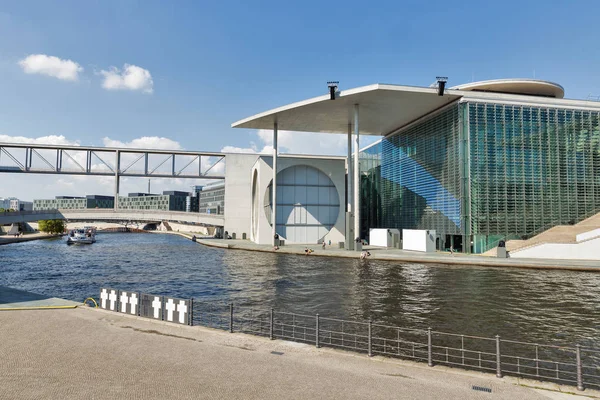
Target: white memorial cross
{"x": 133, "y": 301}
{"x": 182, "y": 309}
{"x": 170, "y": 307}
{"x": 156, "y": 304}
{"x": 124, "y": 302}
{"x": 112, "y": 297}
{"x": 103, "y": 297}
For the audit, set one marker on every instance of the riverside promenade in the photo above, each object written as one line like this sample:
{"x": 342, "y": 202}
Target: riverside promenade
{"x": 389, "y": 254}
{"x": 8, "y": 239}
{"x": 91, "y": 353}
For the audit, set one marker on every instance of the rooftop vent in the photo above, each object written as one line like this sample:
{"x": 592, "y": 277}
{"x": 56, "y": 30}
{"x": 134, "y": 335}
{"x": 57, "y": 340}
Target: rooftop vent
{"x": 333, "y": 85}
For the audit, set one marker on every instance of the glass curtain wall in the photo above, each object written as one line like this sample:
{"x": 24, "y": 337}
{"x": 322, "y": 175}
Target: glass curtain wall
{"x": 531, "y": 168}
{"x": 526, "y": 169}
{"x": 412, "y": 180}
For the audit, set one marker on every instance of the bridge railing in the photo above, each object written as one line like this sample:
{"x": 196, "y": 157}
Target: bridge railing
{"x": 35, "y": 212}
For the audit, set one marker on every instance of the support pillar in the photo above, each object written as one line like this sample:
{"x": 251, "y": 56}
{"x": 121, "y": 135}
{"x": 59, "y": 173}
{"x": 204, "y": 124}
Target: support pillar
{"x": 274, "y": 186}
{"x": 356, "y": 171}
{"x": 117, "y": 167}
{"x": 349, "y": 243}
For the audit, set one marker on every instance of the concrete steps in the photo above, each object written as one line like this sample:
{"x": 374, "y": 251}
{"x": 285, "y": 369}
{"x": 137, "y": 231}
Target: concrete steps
{"x": 558, "y": 234}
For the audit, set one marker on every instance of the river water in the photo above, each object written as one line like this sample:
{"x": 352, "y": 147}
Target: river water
{"x": 550, "y": 307}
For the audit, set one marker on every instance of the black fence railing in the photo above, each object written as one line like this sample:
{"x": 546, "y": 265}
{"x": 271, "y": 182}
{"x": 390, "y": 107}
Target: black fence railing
{"x": 573, "y": 365}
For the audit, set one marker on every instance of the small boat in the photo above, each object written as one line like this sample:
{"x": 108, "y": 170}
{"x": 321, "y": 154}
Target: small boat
{"x": 85, "y": 235}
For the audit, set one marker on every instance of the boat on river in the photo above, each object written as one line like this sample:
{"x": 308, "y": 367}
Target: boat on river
{"x": 85, "y": 235}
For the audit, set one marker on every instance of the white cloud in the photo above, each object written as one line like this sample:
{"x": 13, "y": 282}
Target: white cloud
{"x": 252, "y": 149}
{"x": 306, "y": 142}
{"x": 131, "y": 77}
{"x": 50, "y": 139}
{"x": 66, "y": 70}
{"x": 145, "y": 142}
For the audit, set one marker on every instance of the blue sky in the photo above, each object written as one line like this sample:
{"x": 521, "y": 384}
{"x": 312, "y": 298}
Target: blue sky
{"x": 213, "y": 63}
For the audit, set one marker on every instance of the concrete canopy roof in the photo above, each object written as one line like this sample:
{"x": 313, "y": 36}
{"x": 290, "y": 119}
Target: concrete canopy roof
{"x": 382, "y": 110}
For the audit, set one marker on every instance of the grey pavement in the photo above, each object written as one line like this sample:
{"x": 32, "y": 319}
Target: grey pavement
{"x": 88, "y": 353}
{"x": 14, "y": 299}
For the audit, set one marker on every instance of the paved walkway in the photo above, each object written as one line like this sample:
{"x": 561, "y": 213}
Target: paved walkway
{"x": 87, "y": 353}
{"x": 14, "y": 299}
{"x": 8, "y": 239}
{"x": 379, "y": 253}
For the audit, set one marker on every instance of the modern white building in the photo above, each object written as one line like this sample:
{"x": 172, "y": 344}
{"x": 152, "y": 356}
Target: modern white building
{"x": 309, "y": 192}
{"x": 478, "y": 163}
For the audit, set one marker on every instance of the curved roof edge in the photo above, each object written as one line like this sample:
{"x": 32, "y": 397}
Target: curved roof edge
{"x": 522, "y": 86}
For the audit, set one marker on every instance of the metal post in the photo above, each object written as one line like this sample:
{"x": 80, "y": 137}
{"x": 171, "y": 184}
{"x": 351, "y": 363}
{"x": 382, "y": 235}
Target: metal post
{"x": 429, "y": 353}
{"x": 271, "y": 326}
{"x": 356, "y": 171}
{"x": 317, "y": 332}
{"x": 231, "y": 318}
{"x": 370, "y": 339}
{"x": 579, "y": 369}
{"x": 498, "y": 364}
{"x": 117, "y": 167}
{"x": 274, "y": 186}
{"x": 191, "y": 313}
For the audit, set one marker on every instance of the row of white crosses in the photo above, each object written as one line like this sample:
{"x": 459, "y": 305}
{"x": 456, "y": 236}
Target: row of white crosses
{"x": 131, "y": 299}
{"x": 182, "y": 309}
{"x": 170, "y": 306}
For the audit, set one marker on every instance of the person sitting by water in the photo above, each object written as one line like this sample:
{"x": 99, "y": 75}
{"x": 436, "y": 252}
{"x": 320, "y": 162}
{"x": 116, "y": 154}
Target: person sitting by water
{"x": 194, "y": 238}
{"x": 364, "y": 254}
{"x": 323, "y": 244}
{"x": 306, "y": 251}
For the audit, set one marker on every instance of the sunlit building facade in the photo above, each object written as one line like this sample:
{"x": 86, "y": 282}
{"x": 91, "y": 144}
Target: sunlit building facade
{"x": 478, "y": 171}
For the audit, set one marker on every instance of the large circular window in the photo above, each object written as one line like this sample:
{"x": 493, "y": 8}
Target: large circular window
{"x": 307, "y": 204}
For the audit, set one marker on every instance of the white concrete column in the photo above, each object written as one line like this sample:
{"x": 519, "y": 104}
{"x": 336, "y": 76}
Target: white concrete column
{"x": 274, "y": 185}
{"x": 117, "y": 167}
{"x": 349, "y": 172}
{"x": 356, "y": 171}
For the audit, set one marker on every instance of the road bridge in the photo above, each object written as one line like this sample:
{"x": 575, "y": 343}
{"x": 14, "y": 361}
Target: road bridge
{"x": 110, "y": 215}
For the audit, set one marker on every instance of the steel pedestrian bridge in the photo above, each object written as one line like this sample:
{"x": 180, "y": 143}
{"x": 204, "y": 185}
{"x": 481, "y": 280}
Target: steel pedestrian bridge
{"x": 109, "y": 161}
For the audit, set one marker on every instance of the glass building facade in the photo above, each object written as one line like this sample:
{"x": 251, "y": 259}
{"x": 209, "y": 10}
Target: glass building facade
{"x": 480, "y": 172}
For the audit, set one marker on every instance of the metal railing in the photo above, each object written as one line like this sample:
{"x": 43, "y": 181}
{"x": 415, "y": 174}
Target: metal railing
{"x": 575, "y": 366}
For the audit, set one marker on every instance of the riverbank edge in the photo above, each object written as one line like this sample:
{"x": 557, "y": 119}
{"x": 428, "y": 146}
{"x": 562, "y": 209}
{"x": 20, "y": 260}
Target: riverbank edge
{"x": 27, "y": 238}
{"x": 445, "y": 259}
{"x": 506, "y": 379}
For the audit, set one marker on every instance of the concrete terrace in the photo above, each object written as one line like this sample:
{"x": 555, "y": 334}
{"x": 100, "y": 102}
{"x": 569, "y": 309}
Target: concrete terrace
{"x": 91, "y": 353}
{"x": 14, "y": 299}
{"x": 378, "y": 253}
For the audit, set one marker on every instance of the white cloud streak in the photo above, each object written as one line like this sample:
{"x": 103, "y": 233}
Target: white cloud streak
{"x": 42, "y": 64}
{"x": 131, "y": 77}
{"x": 145, "y": 142}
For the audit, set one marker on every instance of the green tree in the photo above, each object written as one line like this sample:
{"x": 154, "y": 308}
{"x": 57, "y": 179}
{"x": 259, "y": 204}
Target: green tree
{"x": 52, "y": 225}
